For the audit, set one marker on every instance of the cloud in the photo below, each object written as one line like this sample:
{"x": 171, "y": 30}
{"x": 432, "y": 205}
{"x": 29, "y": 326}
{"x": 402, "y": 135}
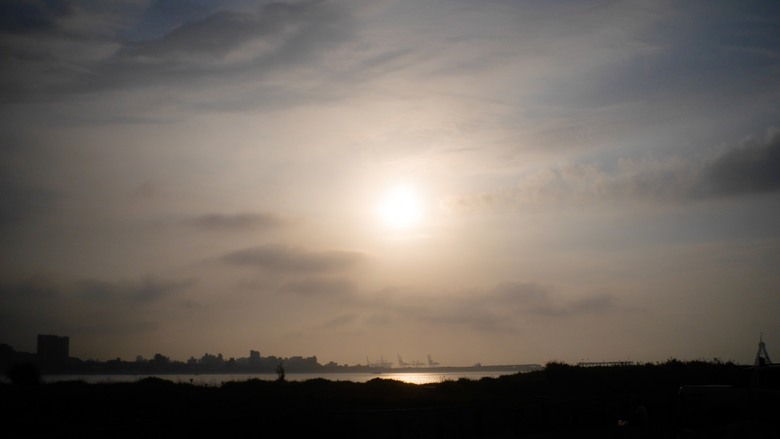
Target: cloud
{"x": 676, "y": 54}
{"x": 85, "y": 307}
{"x": 216, "y": 47}
{"x": 479, "y": 319}
{"x": 509, "y": 302}
{"x": 240, "y": 47}
{"x": 240, "y": 221}
{"x": 503, "y": 308}
{"x": 525, "y": 298}
{"x": 288, "y": 259}
{"x": 340, "y": 321}
{"x": 32, "y": 288}
{"x": 634, "y": 180}
{"x": 751, "y": 168}
{"x": 47, "y": 47}
{"x": 22, "y": 202}
{"x": 30, "y": 306}
{"x": 161, "y": 16}
{"x": 534, "y": 299}
{"x": 215, "y": 37}
{"x": 319, "y": 286}
{"x": 27, "y": 16}
{"x": 140, "y": 291}
{"x": 746, "y": 169}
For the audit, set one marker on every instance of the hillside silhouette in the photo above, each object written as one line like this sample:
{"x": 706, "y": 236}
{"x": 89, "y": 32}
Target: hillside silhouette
{"x": 565, "y": 400}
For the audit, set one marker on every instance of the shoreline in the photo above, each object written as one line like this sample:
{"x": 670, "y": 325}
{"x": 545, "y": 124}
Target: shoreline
{"x": 511, "y": 368}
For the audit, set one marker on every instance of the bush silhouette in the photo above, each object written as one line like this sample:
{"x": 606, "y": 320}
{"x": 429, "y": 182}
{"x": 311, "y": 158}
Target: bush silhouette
{"x": 24, "y": 374}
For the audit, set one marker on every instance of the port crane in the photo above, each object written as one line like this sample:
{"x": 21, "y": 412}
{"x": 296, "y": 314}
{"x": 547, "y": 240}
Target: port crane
{"x": 414, "y": 363}
{"x": 382, "y": 364}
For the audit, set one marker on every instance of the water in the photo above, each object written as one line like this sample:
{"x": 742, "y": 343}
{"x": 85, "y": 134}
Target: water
{"x": 219, "y": 379}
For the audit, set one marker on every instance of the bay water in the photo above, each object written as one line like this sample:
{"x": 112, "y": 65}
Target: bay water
{"x": 212, "y": 380}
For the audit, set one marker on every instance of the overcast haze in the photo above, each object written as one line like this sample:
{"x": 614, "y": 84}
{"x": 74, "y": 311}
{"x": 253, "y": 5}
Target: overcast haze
{"x": 586, "y": 180}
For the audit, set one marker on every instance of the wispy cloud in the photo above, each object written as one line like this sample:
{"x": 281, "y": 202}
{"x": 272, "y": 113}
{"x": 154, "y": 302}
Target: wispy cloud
{"x": 22, "y": 202}
{"x": 745, "y": 169}
{"x": 532, "y": 299}
{"x": 87, "y": 307}
{"x": 247, "y": 47}
{"x": 239, "y": 222}
{"x": 145, "y": 290}
{"x": 236, "y": 41}
{"x": 502, "y": 308}
{"x": 313, "y": 286}
{"x": 21, "y": 16}
{"x": 290, "y": 259}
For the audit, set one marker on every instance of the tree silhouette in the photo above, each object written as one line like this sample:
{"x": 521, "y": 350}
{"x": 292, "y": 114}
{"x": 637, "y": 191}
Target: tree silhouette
{"x": 24, "y": 374}
{"x": 280, "y": 372}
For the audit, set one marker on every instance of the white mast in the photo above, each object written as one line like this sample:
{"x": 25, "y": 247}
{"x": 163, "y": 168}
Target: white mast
{"x": 762, "y": 356}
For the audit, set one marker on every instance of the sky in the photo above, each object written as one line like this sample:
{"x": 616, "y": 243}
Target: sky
{"x": 500, "y": 181}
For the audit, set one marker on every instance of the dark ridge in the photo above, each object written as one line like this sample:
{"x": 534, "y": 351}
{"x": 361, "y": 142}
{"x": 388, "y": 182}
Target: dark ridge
{"x": 560, "y": 399}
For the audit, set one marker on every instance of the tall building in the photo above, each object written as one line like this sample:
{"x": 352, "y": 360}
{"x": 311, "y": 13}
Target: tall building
{"x": 53, "y": 351}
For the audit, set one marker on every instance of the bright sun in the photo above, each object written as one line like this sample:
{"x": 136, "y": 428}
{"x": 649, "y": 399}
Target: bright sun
{"x": 400, "y": 208}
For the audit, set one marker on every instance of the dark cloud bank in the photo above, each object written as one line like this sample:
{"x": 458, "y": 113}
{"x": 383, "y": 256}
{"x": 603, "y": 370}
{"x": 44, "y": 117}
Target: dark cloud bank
{"x": 220, "y": 47}
{"x": 751, "y": 168}
{"x": 86, "y": 307}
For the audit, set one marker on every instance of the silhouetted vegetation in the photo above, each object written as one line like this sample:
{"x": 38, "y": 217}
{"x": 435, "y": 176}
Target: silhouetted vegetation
{"x": 560, "y": 398}
{"x": 24, "y": 374}
{"x": 280, "y": 372}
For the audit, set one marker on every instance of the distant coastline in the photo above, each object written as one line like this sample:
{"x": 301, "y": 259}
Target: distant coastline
{"x": 102, "y": 369}
{"x": 216, "y": 364}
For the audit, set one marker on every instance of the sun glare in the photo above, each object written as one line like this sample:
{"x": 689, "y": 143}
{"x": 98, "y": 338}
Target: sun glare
{"x": 400, "y": 208}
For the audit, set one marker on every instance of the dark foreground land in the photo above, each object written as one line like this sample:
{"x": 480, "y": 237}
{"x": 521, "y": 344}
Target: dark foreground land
{"x": 560, "y": 401}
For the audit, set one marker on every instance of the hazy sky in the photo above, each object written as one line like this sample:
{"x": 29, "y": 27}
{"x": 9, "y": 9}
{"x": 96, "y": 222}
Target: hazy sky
{"x": 494, "y": 181}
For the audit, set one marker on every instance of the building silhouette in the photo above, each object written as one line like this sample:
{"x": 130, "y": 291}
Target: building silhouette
{"x": 53, "y": 351}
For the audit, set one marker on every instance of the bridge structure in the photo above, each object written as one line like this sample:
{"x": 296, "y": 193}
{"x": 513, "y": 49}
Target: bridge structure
{"x": 604, "y": 363}
{"x": 762, "y": 356}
